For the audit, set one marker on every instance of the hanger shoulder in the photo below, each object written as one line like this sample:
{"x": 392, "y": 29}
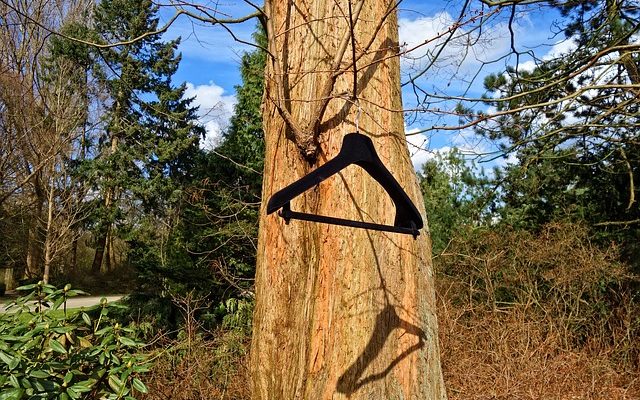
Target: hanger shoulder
{"x": 406, "y": 212}
{"x": 356, "y": 149}
{"x": 285, "y": 195}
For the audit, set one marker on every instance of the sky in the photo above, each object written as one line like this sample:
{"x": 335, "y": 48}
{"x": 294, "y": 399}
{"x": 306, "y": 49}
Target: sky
{"x": 211, "y": 60}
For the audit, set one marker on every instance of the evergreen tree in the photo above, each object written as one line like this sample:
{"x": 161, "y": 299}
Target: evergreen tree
{"x": 150, "y": 138}
{"x": 573, "y": 121}
{"x": 221, "y": 223}
{"x": 457, "y": 197}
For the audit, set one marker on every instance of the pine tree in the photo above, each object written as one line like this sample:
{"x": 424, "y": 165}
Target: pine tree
{"x": 150, "y": 136}
{"x": 573, "y": 121}
{"x": 222, "y": 220}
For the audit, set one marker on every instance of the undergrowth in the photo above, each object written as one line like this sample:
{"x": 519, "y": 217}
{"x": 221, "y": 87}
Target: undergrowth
{"x": 197, "y": 363}
{"x": 537, "y": 316}
{"x": 49, "y": 352}
{"x": 546, "y": 315}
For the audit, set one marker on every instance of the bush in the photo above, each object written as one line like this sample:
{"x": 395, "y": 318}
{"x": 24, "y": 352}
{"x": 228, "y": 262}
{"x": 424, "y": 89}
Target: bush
{"x": 203, "y": 364}
{"x": 48, "y": 351}
{"x": 537, "y": 315}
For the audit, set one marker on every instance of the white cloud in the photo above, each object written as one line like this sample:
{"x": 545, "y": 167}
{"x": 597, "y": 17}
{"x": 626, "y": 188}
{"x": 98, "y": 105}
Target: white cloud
{"x": 421, "y": 149}
{"x": 559, "y": 49}
{"x": 474, "y": 148}
{"x": 418, "y": 148}
{"x": 215, "y": 110}
{"x": 463, "y": 54}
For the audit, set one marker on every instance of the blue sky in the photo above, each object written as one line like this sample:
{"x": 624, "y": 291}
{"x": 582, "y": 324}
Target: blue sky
{"x": 211, "y": 58}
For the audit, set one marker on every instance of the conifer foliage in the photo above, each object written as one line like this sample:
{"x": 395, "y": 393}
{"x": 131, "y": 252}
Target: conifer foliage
{"x": 150, "y": 137}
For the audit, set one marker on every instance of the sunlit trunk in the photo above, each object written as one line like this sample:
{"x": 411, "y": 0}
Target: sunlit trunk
{"x": 341, "y": 312}
{"x": 48, "y": 241}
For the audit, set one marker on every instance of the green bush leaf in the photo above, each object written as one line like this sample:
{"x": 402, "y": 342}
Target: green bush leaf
{"x": 6, "y": 358}
{"x": 115, "y": 383}
{"x": 12, "y": 394}
{"x": 57, "y": 303}
{"x": 27, "y": 287}
{"x": 68, "y": 377}
{"x": 39, "y": 374}
{"x": 57, "y": 346}
{"x": 127, "y": 342}
{"x": 72, "y": 393}
{"x": 139, "y": 386}
{"x": 82, "y": 387}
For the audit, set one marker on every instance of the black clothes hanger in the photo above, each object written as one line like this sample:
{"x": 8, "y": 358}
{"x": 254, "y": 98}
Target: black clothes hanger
{"x": 356, "y": 149}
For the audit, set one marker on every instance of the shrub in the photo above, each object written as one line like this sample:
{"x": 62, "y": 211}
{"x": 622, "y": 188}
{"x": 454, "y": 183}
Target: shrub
{"x": 48, "y": 351}
{"x": 203, "y": 364}
{"x": 545, "y": 315}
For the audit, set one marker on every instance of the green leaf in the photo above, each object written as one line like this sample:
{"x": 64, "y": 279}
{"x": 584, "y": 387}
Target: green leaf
{"x": 13, "y": 381}
{"x": 83, "y": 386}
{"x": 12, "y": 394}
{"x": 11, "y": 338}
{"x": 115, "y": 383}
{"x": 39, "y": 374}
{"x": 63, "y": 329}
{"x": 6, "y": 358}
{"x": 139, "y": 386}
{"x": 86, "y": 319}
{"x": 57, "y": 347}
{"x": 127, "y": 342}
{"x": 72, "y": 393}
{"x": 76, "y": 292}
{"x": 26, "y": 287}
{"x": 57, "y": 303}
{"x": 140, "y": 369}
{"x": 14, "y": 363}
{"x": 104, "y": 330}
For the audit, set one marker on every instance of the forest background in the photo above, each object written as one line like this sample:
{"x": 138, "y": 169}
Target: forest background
{"x": 118, "y": 176}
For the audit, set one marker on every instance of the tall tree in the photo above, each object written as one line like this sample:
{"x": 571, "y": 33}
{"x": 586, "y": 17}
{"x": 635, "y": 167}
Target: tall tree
{"x": 150, "y": 136}
{"x": 340, "y": 312}
{"x": 457, "y": 196}
{"x": 41, "y": 109}
{"x": 573, "y": 121}
{"x": 221, "y": 221}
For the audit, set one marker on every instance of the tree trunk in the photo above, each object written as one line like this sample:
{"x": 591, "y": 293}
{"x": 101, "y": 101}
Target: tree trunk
{"x": 108, "y": 253}
{"x": 101, "y": 243}
{"x": 34, "y": 243}
{"x": 33, "y": 252}
{"x": 48, "y": 240}
{"x": 73, "y": 267}
{"x": 9, "y": 281}
{"x": 104, "y": 231}
{"x": 340, "y": 312}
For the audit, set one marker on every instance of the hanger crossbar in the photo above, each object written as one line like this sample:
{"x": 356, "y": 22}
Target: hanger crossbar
{"x": 287, "y": 214}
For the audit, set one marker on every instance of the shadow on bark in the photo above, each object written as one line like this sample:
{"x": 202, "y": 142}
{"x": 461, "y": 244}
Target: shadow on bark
{"x": 386, "y": 321}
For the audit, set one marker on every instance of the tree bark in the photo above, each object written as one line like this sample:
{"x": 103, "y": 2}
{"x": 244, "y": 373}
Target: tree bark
{"x": 34, "y": 239}
{"x": 101, "y": 243}
{"x": 73, "y": 267}
{"x": 340, "y": 312}
{"x": 9, "y": 281}
{"x": 49, "y": 240}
